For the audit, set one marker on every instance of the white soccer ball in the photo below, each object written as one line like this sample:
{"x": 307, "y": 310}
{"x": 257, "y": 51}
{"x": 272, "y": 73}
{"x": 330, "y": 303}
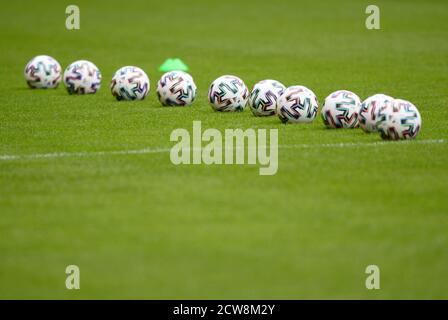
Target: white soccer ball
{"x": 82, "y": 77}
{"x": 340, "y": 109}
{"x": 263, "y": 97}
{"x": 176, "y": 88}
{"x": 130, "y": 83}
{"x": 228, "y": 93}
{"x": 367, "y": 115}
{"x": 399, "y": 120}
{"x": 43, "y": 72}
{"x": 297, "y": 104}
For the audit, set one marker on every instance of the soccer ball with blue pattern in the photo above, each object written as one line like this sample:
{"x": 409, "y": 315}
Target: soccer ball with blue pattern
{"x": 368, "y": 112}
{"x": 228, "y": 93}
{"x": 176, "y": 88}
{"x": 43, "y": 72}
{"x": 263, "y": 97}
{"x": 399, "y": 120}
{"x": 297, "y": 104}
{"x": 130, "y": 83}
{"x": 82, "y": 77}
{"x": 340, "y": 109}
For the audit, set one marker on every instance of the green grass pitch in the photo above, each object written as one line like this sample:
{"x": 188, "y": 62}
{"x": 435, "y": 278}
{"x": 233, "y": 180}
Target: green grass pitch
{"x": 140, "y": 227}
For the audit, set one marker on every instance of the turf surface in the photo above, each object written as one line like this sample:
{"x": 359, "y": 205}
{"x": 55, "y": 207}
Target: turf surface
{"x": 140, "y": 227}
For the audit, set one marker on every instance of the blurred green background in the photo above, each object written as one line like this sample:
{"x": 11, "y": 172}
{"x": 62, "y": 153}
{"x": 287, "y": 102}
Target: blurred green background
{"x": 140, "y": 227}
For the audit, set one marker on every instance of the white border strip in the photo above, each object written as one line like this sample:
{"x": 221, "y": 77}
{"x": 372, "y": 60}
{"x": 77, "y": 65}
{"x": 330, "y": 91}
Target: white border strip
{"x": 54, "y": 155}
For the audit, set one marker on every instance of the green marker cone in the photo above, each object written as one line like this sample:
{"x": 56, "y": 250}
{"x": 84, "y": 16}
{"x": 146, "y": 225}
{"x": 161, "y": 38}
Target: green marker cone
{"x": 173, "y": 65}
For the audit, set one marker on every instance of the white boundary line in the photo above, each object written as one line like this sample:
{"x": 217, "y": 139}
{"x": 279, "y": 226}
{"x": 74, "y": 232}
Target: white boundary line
{"x": 363, "y": 144}
{"x": 54, "y": 155}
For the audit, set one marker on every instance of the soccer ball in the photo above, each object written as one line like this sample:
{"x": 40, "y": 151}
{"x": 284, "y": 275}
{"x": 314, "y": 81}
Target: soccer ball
{"x": 306, "y": 89}
{"x": 43, "y": 72}
{"x": 82, "y": 77}
{"x": 399, "y": 120}
{"x": 340, "y": 109}
{"x": 297, "y": 104}
{"x": 367, "y": 115}
{"x": 176, "y": 88}
{"x": 228, "y": 93}
{"x": 263, "y": 97}
{"x": 130, "y": 83}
